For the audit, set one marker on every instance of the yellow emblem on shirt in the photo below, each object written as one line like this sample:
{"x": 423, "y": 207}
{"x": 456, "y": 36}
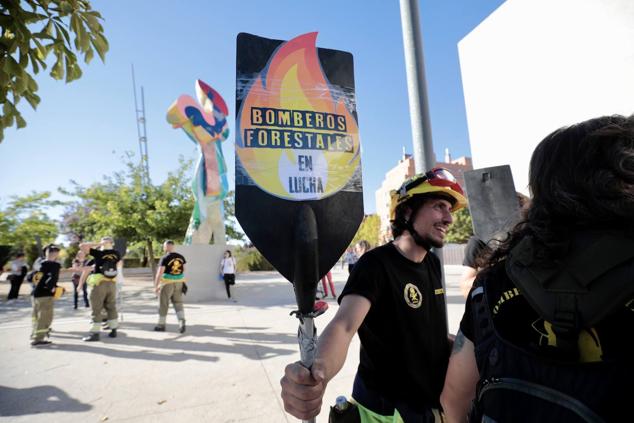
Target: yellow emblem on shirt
{"x": 177, "y": 266}
{"x": 412, "y": 295}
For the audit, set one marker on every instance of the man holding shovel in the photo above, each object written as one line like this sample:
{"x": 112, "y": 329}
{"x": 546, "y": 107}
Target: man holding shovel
{"x": 395, "y": 300}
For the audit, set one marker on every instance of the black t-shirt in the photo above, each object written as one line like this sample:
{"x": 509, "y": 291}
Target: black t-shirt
{"x": 517, "y": 322}
{"x": 46, "y": 278}
{"x": 404, "y": 347}
{"x": 474, "y": 248}
{"x": 105, "y": 260}
{"x": 173, "y": 263}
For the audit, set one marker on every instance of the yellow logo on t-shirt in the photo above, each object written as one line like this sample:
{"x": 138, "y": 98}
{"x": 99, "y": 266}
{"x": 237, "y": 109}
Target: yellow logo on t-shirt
{"x": 177, "y": 266}
{"x": 37, "y": 277}
{"x": 412, "y": 295}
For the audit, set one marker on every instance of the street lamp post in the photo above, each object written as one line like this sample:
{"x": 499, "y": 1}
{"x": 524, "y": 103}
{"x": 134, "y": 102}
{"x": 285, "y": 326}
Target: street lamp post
{"x": 424, "y": 158}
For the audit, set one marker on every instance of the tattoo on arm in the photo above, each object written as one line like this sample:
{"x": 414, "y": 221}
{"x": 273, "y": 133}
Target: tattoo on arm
{"x": 458, "y": 343}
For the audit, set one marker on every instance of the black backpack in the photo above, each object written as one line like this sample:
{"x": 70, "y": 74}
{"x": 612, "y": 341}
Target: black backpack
{"x": 109, "y": 268}
{"x": 516, "y": 385}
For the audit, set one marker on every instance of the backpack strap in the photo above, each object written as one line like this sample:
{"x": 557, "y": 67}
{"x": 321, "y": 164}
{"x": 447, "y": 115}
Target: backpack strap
{"x": 542, "y": 392}
{"x": 483, "y": 330}
{"x": 594, "y": 280}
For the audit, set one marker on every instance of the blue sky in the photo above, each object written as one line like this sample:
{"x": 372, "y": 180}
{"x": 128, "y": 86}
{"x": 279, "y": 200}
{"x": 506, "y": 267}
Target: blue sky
{"x": 80, "y": 130}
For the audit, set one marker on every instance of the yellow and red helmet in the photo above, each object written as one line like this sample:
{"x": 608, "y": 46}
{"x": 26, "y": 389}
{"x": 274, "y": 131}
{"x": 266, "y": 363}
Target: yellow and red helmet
{"x": 436, "y": 181}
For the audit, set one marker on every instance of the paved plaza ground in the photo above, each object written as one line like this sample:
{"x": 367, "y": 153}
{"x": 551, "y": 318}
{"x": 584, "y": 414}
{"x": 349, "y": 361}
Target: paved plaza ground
{"x": 225, "y": 368}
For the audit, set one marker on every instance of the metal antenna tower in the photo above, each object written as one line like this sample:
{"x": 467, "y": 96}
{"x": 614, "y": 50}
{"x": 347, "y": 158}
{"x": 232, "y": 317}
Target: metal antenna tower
{"x": 141, "y": 132}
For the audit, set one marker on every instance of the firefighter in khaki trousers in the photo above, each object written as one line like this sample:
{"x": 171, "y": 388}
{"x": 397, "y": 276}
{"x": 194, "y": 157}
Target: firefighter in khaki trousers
{"x": 103, "y": 293}
{"x": 45, "y": 286}
{"x": 169, "y": 284}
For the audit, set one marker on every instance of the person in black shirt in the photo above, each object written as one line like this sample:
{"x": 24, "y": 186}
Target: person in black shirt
{"x": 103, "y": 293}
{"x": 547, "y": 330}
{"x": 394, "y": 299}
{"x": 168, "y": 284}
{"x": 45, "y": 284}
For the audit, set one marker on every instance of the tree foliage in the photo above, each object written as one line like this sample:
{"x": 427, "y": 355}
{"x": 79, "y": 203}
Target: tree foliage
{"x": 123, "y": 206}
{"x": 145, "y": 214}
{"x": 461, "y": 229}
{"x": 231, "y": 227}
{"x": 24, "y": 219}
{"x": 251, "y": 260}
{"x": 369, "y": 230}
{"x": 31, "y": 31}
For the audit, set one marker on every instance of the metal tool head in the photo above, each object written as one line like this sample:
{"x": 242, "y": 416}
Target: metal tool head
{"x": 493, "y": 201}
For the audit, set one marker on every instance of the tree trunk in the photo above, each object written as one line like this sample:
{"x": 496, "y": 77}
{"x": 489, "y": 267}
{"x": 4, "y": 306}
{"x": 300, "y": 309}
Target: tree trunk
{"x": 151, "y": 256}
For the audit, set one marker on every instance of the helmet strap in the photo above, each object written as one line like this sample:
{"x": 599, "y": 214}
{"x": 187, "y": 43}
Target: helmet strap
{"x": 416, "y": 237}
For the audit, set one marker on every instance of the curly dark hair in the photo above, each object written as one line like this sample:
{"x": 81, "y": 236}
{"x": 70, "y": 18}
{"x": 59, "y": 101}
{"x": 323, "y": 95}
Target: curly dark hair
{"x": 581, "y": 178}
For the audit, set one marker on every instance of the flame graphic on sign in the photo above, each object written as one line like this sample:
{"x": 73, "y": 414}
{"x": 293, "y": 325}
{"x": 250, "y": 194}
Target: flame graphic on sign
{"x": 294, "y": 80}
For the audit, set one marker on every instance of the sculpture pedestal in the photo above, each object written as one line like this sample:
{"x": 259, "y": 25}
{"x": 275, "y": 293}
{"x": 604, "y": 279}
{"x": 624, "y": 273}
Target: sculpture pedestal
{"x": 202, "y": 270}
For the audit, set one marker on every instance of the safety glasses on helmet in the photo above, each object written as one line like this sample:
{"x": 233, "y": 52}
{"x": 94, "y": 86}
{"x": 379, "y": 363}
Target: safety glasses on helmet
{"x": 438, "y": 176}
{"x": 437, "y": 180}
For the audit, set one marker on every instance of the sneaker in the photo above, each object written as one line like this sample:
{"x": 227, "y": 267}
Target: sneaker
{"x": 159, "y": 328}
{"x": 91, "y": 338}
{"x": 40, "y": 343}
{"x": 182, "y": 327}
{"x": 113, "y": 333}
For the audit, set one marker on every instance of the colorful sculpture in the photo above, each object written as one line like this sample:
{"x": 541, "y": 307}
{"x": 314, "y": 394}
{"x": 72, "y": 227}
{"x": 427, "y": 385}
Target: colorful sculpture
{"x": 206, "y": 125}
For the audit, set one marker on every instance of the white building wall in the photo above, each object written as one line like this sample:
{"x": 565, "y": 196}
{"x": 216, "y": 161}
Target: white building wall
{"x": 535, "y": 65}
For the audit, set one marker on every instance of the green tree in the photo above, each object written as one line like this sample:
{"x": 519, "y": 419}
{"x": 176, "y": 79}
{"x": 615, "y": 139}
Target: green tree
{"x": 123, "y": 206}
{"x": 146, "y": 214}
{"x": 231, "y": 227}
{"x": 461, "y": 229}
{"x": 24, "y": 219}
{"x": 249, "y": 259}
{"x": 31, "y": 31}
{"x": 369, "y": 230}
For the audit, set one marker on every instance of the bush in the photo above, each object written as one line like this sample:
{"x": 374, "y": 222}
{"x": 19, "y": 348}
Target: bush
{"x": 250, "y": 259}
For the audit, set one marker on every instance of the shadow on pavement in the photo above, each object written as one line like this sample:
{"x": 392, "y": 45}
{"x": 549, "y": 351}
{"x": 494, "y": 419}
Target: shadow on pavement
{"x": 251, "y": 343}
{"x": 38, "y": 399}
{"x": 103, "y": 349}
{"x": 258, "y": 337}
